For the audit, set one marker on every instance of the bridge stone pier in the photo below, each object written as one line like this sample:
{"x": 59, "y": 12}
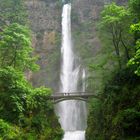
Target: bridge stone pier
{"x": 83, "y": 96}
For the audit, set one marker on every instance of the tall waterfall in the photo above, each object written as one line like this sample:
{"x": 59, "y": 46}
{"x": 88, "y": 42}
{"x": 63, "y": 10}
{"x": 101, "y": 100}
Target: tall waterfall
{"x": 72, "y": 113}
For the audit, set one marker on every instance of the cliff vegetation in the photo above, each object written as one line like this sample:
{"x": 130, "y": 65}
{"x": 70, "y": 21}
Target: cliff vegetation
{"x": 26, "y": 113}
{"x": 117, "y": 115}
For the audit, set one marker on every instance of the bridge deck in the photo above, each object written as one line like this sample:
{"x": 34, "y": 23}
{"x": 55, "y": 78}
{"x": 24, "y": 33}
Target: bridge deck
{"x": 68, "y": 95}
{"x": 58, "y": 97}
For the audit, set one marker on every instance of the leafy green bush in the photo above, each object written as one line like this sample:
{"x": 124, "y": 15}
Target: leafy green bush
{"x": 8, "y": 131}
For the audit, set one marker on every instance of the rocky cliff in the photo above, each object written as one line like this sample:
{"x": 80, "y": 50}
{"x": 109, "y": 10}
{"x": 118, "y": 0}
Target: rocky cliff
{"x": 45, "y": 22}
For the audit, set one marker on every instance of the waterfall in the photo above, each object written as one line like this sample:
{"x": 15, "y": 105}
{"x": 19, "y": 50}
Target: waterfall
{"x": 72, "y": 113}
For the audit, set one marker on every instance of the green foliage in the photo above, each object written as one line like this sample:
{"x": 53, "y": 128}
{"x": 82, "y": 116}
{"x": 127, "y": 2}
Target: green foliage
{"x": 14, "y": 89}
{"x": 115, "y": 20}
{"x": 135, "y": 61}
{"x": 117, "y": 117}
{"x": 28, "y": 108}
{"x": 26, "y": 113}
{"x": 12, "y": 11}
{"x": 135, "y": 28}
{"x": 135, "y": 7}
{"x": 113, "y": 14}
{"x": 8, "y": 131}
{"x": 15, "y": 48}
{"x": 94, "y": 129}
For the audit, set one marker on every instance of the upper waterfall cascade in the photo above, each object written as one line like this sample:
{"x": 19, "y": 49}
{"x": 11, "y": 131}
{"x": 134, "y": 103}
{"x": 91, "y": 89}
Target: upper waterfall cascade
{"x": 70, "y": 112}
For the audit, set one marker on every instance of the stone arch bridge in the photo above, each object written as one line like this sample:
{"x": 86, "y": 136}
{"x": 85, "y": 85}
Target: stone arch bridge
{"x": 83, "y": 96}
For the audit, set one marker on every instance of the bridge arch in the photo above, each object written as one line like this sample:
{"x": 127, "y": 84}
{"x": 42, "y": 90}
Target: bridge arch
{"x": 68, "y": 99}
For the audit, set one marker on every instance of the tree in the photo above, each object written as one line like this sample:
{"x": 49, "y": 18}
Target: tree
{"x": 14, "y": 90}
{"x": 135, "y": 60}
{"x": 25, "y": 112}
{"x": 135, "y": 8}
{"x": 15, "y": 48}
{"x": 117, "y": 116}
{"x": 28, "y": 109}
{"x": 115, "y": 20}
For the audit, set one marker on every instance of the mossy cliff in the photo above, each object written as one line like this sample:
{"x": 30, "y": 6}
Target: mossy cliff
{"x": 45, "y": 22}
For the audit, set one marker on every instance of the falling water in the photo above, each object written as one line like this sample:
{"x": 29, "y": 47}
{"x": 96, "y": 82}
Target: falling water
{"x": 72, "y": 113}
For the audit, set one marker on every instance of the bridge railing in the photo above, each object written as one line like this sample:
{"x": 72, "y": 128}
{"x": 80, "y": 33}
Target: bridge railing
{"x": 72, "y": 93}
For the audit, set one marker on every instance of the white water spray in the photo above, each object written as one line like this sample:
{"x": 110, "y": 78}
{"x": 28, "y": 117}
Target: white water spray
{"x": 72, "y": 113}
